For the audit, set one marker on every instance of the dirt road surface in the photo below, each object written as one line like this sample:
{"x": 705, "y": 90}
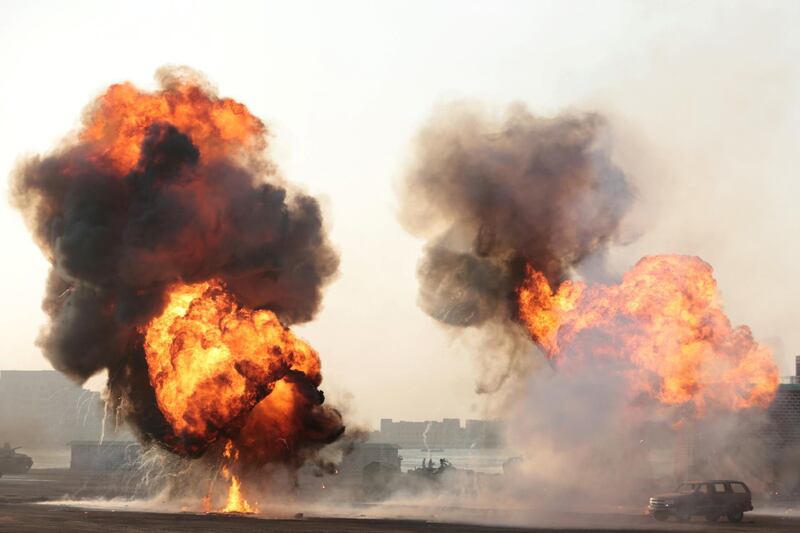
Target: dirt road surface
{"x": 30, "y": 503}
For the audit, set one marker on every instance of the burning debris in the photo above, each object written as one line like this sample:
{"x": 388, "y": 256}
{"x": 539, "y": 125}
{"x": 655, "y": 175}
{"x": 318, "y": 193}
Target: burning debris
{"x": 179, "y": 257}
{"x": 511, "y": 211}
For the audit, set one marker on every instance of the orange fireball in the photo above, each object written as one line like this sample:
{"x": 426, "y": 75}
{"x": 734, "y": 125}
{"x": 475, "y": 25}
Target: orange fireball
{"x": 219, "y": 127}
{"x": 664, "y": 322}
{"x": 210, "y": 360}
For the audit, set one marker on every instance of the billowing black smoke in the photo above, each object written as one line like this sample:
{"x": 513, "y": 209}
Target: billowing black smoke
{"x": 492, "y": 196}
{"x": 117, "y": 240}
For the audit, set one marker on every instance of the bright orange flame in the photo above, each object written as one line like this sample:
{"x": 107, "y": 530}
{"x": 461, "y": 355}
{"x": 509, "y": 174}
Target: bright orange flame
{"x": 271, "y": 431}
{"x": 210, "y": 361}
{"x": 235, "y": 502}
{"x": 666, "y": 320}
{"x": 116, "y": 126}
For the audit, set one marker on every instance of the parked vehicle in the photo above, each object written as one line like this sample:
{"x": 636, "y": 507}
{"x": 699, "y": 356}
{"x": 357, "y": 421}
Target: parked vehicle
{"x": 711, "y": 499}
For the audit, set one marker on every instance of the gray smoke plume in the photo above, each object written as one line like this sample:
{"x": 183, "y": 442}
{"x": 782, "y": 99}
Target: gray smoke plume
{"x": 117, "y": 240}
{"x": 491, "y": 197}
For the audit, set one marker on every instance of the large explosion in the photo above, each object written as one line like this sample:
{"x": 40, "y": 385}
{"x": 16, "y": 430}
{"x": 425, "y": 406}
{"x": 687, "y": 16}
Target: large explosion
{"x": 513, "y": 209}
{"x": 665, "y": 320}
{"x": 179, "y": 257}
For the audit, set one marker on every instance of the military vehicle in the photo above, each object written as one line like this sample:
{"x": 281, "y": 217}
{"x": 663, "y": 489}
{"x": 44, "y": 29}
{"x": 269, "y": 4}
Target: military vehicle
{"x": 440, "y": 476}
{"x": 430, "y": 471}
{"x": 712, "y": 499}
{"x": 12, "y": 462}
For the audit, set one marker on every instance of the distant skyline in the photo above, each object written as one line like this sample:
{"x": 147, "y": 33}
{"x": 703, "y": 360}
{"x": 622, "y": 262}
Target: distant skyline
{"x": 20, "y": 385}
{"x": 701, "y": 100}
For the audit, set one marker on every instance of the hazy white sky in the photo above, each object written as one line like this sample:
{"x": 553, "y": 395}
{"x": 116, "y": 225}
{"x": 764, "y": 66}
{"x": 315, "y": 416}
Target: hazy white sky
{"x": 702, "y": 99}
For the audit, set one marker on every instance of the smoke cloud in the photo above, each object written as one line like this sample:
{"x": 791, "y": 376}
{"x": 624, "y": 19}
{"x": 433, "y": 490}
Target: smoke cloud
{"x": 522, "y": 201}
{"x": 491, "y": 196}
{"x": 124, "y": 210}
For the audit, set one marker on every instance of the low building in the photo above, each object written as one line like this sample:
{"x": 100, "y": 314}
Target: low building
{"x": 447, "y": 433}
{"x": 370, "y": 452}
{"x": 782, "y": 438}
{"x": 484, "y": 433}
{"x": 367, "y": 466}
{"x": 44, "y": 408}
{"x": 106, "y": 456}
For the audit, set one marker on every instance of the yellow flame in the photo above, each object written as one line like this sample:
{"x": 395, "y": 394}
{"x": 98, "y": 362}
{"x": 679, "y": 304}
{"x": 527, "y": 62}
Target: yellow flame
{"x": 236, "y": 503}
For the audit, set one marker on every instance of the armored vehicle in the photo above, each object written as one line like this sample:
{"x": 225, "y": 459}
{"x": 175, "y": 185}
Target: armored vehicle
{"x": 12, "y": 462}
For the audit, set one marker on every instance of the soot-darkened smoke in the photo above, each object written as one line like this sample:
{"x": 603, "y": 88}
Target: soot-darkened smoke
{"x": 492, "y": 196}
{"x": 117, "y": 238}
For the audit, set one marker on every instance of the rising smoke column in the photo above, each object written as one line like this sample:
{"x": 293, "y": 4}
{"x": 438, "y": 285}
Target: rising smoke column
{"x": 492, "y": 197}
{"x": 164, "y": 216}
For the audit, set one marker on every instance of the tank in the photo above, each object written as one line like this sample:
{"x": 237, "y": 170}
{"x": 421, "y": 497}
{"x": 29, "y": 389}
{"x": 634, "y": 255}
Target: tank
{"x": 12, "y": 462}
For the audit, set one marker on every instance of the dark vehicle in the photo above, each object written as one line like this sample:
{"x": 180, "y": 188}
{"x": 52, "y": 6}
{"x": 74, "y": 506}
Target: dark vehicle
{"x": 430, "y": 471}
{"x": 12, "y": 462}
{"x": 440, "y": 476}
{"x": 711, "y": 499}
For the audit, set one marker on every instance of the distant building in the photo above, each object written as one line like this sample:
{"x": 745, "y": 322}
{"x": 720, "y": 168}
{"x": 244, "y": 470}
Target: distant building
{"x": 353, "y": 463}
{"x": 445, "y": 434}
{"x": 484, "y": 433}
{"x": 109, "y": 455}
{"x": 45, "y": 408}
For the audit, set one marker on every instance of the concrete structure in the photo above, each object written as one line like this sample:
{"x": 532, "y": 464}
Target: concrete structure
{"x": 44, "y": 408}
{"x": 353, "y": 464}
{"x": 484, "y": 433}
{"x": 360, "y": 469}
{"x": 107, "y": 456}
{"x": 782, "y": 437}
{"x": 784, "y": 413}
{"x": 762, "y": 447}
{"x": 445, "y": 434}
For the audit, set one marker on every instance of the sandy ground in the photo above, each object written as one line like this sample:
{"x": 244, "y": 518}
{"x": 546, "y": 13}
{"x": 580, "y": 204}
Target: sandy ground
{"x": 35, "y": 503}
